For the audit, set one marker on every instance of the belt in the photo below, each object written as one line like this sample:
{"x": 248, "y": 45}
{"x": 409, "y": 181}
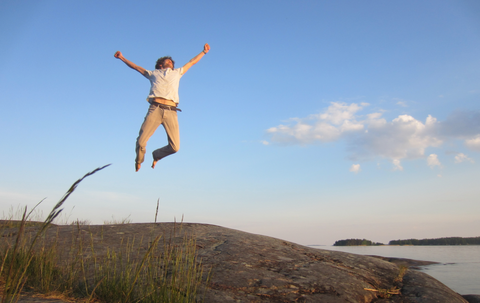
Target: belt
{"x": 164, "y": 106}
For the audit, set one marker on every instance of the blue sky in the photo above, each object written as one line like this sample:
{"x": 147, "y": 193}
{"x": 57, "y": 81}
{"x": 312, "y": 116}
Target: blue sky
{"x": 310, "y": 121}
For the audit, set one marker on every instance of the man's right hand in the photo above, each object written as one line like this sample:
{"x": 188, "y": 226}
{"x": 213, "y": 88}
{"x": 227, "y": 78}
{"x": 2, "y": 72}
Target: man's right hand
{"x": 130, "y": 64}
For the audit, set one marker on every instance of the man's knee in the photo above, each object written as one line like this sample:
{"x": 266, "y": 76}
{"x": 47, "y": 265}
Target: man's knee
{"x": 175, "y": 148}
{"x": 140, "y": 147}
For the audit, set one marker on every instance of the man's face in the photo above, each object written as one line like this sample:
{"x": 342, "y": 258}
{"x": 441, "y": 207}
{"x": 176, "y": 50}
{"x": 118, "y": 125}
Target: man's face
{"x": 168, "y": 63}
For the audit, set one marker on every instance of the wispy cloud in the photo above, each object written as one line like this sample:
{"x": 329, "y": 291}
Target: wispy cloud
{"x": 400, "y": 102}
{"x": 370, "y": 135}
{"x": 461, "y": 157}
{"x": 432, "y": 161}
{"x": 397, "y": 165}
{"x": 355, "y": 168}
{"x": 474, "y": 143}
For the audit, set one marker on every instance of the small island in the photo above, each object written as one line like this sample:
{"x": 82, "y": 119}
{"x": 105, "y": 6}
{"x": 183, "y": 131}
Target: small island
{"x": 438, "y": 241}
{"x": 356, "y": 242}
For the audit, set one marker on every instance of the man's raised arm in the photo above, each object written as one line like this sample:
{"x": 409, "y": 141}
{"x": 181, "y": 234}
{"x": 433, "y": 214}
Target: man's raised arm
{"x": 206, "y": 49}
{"x": 130, "y": 64}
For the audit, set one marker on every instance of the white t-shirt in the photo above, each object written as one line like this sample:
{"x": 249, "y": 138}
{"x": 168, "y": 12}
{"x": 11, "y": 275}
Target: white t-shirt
{"x": 164, "y": 83}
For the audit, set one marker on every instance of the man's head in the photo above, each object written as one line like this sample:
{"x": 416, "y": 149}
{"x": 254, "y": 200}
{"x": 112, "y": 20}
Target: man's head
{"x": 165, "y": 62}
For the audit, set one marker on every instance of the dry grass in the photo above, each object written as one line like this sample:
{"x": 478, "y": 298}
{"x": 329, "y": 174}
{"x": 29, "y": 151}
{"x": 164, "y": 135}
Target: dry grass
{"x": 166, "y": 272}
{"x": 387, "y": 293}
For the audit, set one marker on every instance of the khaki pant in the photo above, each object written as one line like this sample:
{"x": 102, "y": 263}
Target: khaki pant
{"x": 155, "y": 117}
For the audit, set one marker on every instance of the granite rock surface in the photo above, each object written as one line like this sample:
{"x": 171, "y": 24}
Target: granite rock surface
{"x": 247, "y": 267}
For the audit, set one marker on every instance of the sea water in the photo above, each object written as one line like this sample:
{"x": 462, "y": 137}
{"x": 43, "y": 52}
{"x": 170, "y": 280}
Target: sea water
{"x": 458, "y": 268}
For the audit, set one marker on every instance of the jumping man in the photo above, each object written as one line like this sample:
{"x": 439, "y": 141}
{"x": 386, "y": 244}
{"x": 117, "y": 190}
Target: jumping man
{"x": 163, "y": 99}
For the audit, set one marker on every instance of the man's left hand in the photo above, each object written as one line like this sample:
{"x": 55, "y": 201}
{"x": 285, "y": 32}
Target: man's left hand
{"x": 206, "y": 48}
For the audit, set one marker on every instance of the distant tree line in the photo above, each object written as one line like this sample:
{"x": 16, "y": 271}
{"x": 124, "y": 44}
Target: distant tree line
{"x": 355, "y": 242}
{"x": 439, "y": 241}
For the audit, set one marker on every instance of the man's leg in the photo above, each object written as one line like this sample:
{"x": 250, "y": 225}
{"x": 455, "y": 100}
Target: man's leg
{"x": 170, "y": 123}
{"x": 152, "y": 120}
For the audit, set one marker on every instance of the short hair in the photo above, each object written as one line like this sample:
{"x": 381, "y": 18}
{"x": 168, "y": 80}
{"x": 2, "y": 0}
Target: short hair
{"x": 160, "y": 61}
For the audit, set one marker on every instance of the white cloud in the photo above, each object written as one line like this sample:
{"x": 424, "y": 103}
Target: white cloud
{"x": 473, "y": 143}
{"x": 397, "y": 165}
{"x": 403, "y": 137}
{"x": 337, "y": 113}
{"x": 370, "y": 135}
{"x": 461, "y": 157}
{"x": 432, "y": 161}
{"x": 328, "y": 126}
{"x": 355, "y": 168}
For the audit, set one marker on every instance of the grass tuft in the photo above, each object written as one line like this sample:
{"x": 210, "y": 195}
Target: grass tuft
{"x": 114, "y": 221}
{"x": 166, "y": 272}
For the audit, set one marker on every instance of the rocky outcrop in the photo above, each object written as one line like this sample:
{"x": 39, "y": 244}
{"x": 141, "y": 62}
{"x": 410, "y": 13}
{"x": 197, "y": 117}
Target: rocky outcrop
{"x": 253, "y": 268}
